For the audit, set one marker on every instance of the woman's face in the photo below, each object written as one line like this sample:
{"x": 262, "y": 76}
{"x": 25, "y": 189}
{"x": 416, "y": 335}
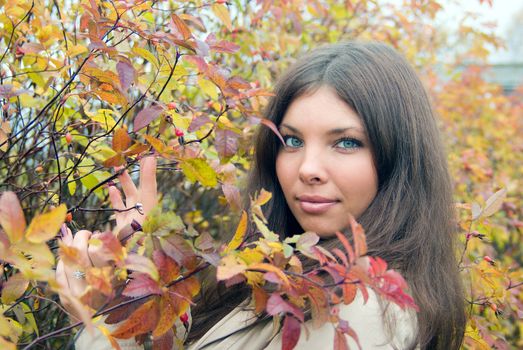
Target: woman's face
{"x": 326, "y": 169}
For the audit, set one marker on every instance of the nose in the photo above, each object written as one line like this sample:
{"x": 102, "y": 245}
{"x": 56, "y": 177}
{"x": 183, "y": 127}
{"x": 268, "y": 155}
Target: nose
{"x": 312, "y": 169}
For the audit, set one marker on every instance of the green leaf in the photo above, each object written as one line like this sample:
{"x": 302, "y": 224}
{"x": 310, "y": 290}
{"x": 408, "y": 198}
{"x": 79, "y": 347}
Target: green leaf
{"x": 198, "y": 170}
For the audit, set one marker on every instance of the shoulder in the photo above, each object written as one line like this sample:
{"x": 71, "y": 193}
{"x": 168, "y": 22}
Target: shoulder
{"x": 377, "y": 324}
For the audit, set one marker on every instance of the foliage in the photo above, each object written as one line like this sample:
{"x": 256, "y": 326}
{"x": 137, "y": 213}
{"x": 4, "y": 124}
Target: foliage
{"x": 89, "y": 85}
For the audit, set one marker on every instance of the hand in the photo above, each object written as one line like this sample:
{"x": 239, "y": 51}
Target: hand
{"x": 146, "y": 194}
{"x": 71, "y": 275}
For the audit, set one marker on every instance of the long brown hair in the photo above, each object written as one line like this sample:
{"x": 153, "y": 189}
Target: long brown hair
{"x": 410, "y": 223}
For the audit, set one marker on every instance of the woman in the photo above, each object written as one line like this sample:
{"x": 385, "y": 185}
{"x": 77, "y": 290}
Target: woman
{"x": 360, "y": 138}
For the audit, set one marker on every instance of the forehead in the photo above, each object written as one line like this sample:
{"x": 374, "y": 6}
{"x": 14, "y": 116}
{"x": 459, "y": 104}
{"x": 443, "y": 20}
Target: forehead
{"x": 321, "y": 109}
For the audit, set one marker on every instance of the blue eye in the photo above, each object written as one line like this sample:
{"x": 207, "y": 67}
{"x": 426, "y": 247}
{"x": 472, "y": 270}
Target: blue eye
{"x": 292, "y": 142}
{"x": 348, "y": 143}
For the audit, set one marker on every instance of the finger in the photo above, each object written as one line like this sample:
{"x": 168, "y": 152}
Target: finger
{"x": 129, "y": 188}
{"x": 148, "y": 184}
{"x": 81, "y": 242}
{"x": 115, "y": 197}
{"x": 61, "y": 277}
{"x": 78, "y": 285}
{"x": 97, "y": 254}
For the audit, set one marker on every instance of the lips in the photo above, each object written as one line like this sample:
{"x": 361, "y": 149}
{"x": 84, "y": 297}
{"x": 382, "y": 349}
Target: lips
{"x": 316, "y": 204}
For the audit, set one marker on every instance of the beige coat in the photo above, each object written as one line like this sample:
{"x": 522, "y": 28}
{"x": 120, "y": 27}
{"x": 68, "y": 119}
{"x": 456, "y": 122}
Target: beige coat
{"x": 367, "y": 320}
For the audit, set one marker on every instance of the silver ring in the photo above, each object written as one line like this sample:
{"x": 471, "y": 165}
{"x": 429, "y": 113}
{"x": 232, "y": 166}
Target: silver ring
{"x": 79, "y": 275}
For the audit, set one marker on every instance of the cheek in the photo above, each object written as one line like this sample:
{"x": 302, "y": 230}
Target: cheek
{"x": 284, "y": 173}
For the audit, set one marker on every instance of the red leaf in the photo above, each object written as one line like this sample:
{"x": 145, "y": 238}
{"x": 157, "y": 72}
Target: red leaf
{"x": 226, "y": 142}
{"x": 177, "y": 248}
{"x": 340, "y": 342}
{"x": 232, "y": 194}
{"x": 290, "y": 333}
{"x": 146, "y": 116}
{"x": 273, "y": 127}
{"x": 276, "y": 305}
{"x": 346, "y": 245}
{"x": 198, "y": 61}
{"x": 143, "y": 320}
{"x": 126, "y": 73}
{"x": 169, "y": 269}
{"x": 225, "y": 47}
{"x": 141, "y": 284}
{"x": 165, "y": 342}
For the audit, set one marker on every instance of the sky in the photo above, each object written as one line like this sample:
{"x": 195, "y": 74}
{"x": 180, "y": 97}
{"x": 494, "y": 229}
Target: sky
{"x": 501, "y": 13}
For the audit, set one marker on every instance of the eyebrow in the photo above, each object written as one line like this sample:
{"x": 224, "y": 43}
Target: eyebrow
{"x": 335, "y": 131}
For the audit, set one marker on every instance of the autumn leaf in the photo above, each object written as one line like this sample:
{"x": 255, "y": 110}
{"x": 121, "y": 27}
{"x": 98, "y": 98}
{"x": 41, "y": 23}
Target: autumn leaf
{"x": 182, "y": 28}
{"x": 143, "y": 320}
{"x": 239, "y": 235}
{"x": 12, "y": 217}
{"x": 140, "y": 263}
{"x": 197, "y": 169}
{"x": 14, "y": 288}
{"x": 229, "y": 267}
{"x": 146, "y": 116}
{"x": 43, "y": 227}
{"x": 221, "y": 11}
{"x": 494, "y": 203}
{"x": 121, "y": 140}
{"x": 276, "y": 305}
{"x": 141, "y": 284}
{"x": 290, "y": 333}
{"x": 126, "y": 74}
{"x": 168, "y": 316}
{"x": 268, "y": 123}
{"x": 226, "y": 142}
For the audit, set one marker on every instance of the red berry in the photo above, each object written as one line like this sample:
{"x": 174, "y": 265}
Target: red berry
{"x": 68, "y": 138}
{"x": 171, "y": 105}
{"x": 489, "y": 260}
{"x": 178, "y": 132}
{"x": 69, "y": 217}
{"x": 184, "y": 318}
{"x": 221, "y": 1}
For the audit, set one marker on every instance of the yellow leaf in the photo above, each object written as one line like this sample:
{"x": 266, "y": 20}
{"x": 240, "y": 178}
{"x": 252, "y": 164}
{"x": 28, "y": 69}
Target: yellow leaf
{"x": 76, "y": 50}
{"x": 43, "y": 227}
{"x": 239, "y": 235}
{"x": 221, "y": 11}
{"x": 146, "y": 55}
{"x": 198, "y": 170}
{"x": 209, "y": 88}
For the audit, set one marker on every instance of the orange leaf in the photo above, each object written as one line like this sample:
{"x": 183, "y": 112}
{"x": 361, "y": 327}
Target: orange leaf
{"x": 167, "y": 318}
{"x": 121, "y": 140}
{"x": 260, "y": 299}
{"x": 143, "y": 320}
{"x": 239, "y": 235}
{"x": 263, "y": 197}
{"x": 271, "y": 268}
{"x": 181, "y": 26}
{"x": 360, "y": 243}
